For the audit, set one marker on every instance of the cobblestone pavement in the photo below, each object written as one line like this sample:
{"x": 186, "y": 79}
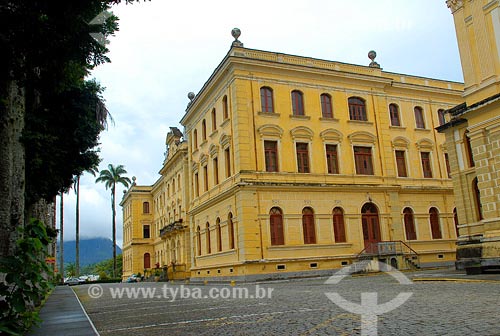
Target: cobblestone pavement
{"x": 296, "y": 307}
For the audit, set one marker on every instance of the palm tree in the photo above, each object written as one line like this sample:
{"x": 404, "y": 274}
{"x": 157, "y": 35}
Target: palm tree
{"x": 76, "y": 186}
{"x": 110, "y": 177}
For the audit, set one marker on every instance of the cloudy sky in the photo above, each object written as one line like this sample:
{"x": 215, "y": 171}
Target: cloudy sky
{"x": 165, "y": 49}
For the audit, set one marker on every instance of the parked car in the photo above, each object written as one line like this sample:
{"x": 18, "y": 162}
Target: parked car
{"x": 132, "y": 278}
{"x": 72, "y": 281}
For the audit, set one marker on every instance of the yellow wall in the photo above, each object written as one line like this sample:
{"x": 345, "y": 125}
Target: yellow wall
{"x": 250, "y": 192}
{"x": 477, "y": 121}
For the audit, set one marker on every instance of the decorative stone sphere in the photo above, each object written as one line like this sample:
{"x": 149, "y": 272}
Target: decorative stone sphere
{"x": 236, "y": 32}
{"x": 191, "y": 95}
{"x": 372, "y": 54}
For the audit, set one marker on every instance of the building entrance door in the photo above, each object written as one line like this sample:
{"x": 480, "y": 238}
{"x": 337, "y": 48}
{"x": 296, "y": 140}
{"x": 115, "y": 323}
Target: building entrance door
{"x": 371, "y": 227}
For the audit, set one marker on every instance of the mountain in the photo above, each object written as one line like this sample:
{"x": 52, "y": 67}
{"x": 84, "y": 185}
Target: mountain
{"x": 92, "y": 250}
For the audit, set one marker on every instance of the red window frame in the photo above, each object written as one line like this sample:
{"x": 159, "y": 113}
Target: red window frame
{"x": 219, "y": 235}
{"x": 266, "y": 99}
{"x": 401, "y": 163}
{"x": 426, "y": 164}
{"x": 204, "y": 130}
{"x": 214, "y": 119}
{"x": 435, "y": 227}
{"x": 363, "y": 160}
{"x": 447, "y": 163}
{"x": 332, "y": 159}
{"x": 198, "y": 240}
{"x": 208, "y": 241}
{"x": 308, "y": 226}
{"x": 230, "y": 227}
{"x": 276, "y": 226}
{"x": 338, "y": 225}
{"x": 302, "y": 149}
{"x": 409, "y": 222}
{"x": 205, "y": 177}
{"x": 271, "y": 155}
{"x": 145, "y": 207}
{"x": 394, "y": 114}
{"x": 297, "y": 103}
{"x": 357, "y": 109}
{"x": 419, "y": 117}
{"x": 225, "y": 110}
{"x": 326, "y": 106}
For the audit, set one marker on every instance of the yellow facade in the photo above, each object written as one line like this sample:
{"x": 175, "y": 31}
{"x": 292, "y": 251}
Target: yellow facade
{"x": 473, "y": 135}
{"x": 155, "y": 231}
{"x": 278, "y": 185}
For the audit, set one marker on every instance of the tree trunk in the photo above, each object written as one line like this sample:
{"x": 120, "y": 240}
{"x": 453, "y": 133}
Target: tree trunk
{"x": 61, "y": 237}
{"x": 77, "y": 235}
{"x": 114, "y": 230}
{"x": 12, "y": 165}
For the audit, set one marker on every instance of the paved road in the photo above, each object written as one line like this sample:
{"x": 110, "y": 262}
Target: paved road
{"x": 297, "y": 307}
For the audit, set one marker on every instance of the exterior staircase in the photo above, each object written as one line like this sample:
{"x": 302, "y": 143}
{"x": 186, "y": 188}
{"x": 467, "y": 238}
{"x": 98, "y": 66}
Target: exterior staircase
{"x": 396, "y": 253}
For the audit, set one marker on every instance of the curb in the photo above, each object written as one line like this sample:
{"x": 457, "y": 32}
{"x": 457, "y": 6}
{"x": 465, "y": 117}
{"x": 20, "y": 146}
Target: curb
{"x": 455, "y": 280}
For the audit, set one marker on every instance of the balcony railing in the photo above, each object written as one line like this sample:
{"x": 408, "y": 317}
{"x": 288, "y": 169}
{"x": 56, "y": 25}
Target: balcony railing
{"x": 174, "y": 226}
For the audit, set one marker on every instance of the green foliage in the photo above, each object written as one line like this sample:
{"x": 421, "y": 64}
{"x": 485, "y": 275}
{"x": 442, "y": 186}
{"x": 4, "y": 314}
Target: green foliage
{"x": 111, "y": 177}
{"x": 70, "y": 270}
{"x": 27, "y": 280}
{"x": 60, "y": 138}
{"x": 106, "y": 267}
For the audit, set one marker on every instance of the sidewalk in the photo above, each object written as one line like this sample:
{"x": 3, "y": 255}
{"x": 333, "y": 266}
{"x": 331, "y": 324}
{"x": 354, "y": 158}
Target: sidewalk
{"x": 63, "y": 314}
{"x": 450, "y": 274}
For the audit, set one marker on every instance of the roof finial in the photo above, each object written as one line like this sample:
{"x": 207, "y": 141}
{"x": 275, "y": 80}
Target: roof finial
{"x": 236, "y": 32}
{"x": 371, "y": 55}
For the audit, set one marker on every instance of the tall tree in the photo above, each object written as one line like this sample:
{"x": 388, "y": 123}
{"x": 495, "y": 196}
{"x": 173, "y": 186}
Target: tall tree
{"x": 61, "y": 237}
{"x": 76, "y": 186}
{"x": 111, "y": 177}
{"x": 46, "y": 53}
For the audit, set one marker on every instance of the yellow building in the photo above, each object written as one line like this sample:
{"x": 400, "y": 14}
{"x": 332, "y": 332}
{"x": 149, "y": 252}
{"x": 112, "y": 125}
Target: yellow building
{"x": 155, "y": 231}
{"x": 473, "y": 135}
{"x": 297, "y": 166}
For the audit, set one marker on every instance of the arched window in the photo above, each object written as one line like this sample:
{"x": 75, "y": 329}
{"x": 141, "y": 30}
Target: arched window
{"x": 195, "y": 139}
{"x": 230, "y": 227}
{"x": 371, "y": 227}
{"x": 297, "y": 103}
{"x": 219, "y": 234}
{"x": 276, "y": 226}
{"x": 409, "y": 220}
{"x": 357, "y": 109}
{"x": 204, "y": 130}
{"x": 441, "y": 117}
{"x": 455, "y": 220}
{"x": 419, "y": 117}
{"x": 477, "y": 199}
{"x": 435, "y": 226}
{"x": 468, "y": 149}
{"x": 198, "y": 240}
{"x": 326, "y": 106}
{"x": 147, "y": 260}
{"x": 338, "y": 225}
{"x": 145, "y": 207}
{"x": 208, "y": 243}
{"x": 308, "y": 226}
{"x": 266, "y": 99}
{"x": 225, "y": 110}
{"x": 214, "y": 119}
{"x": 394, "y": 114}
